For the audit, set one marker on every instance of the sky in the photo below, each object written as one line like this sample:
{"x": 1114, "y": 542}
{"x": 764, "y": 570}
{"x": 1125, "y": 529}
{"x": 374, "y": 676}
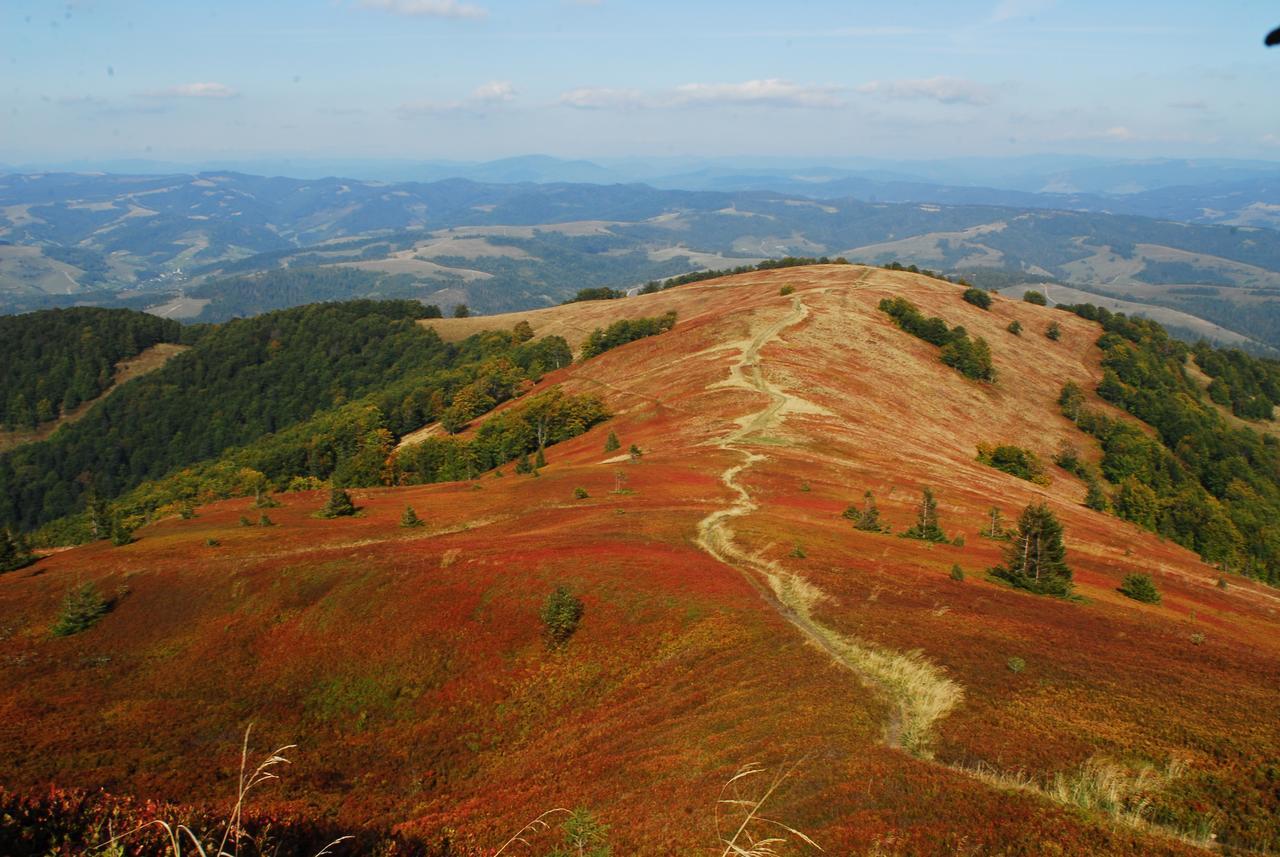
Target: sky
{"x": 481, "y": 79}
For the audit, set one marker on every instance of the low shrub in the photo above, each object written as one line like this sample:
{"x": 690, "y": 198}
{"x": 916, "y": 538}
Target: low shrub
{"x": 1140, "y": 587}
{"x": 561, "y": 613}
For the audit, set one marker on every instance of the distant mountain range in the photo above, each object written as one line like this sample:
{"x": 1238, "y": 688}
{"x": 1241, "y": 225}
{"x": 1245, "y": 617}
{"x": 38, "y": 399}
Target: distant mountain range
{"x": 211, "y": 245}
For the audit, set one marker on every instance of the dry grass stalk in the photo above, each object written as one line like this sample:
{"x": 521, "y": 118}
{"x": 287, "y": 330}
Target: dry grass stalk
{"x": 234, "y": 831}
{"x": 744, "y": 842}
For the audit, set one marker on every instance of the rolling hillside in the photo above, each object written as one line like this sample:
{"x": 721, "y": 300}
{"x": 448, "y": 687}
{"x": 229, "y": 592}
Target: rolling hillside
{"x": 733, "y": 614}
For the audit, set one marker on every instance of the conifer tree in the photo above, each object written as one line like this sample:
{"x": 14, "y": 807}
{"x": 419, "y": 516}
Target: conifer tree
{"x": 339, "y": 504}
{"x": 868, "y": 518}
{"x": 523, "y": 465}
{"x": 926, "y": 526}
{"x": 612, "y": 443}
{"x": 995, "y": 525}
{"x": 1035, "y": 559}
{"x": 121, "y": 533}
{"x": 635, "y": 452}
{"x": 81, "y": 610}
{"x": 1096, "y": 498}
{"x": 410, "y": 518}
{"x": 540, "y": 460}
{"x": 14, "y": 553}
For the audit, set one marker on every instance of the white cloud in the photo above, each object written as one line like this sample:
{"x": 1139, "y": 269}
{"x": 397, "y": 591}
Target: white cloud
{"x": 193, "y": 90}
{"x": 427, "y": 8}
{"x": 601, "y": 98}
{"x": 770, "y": 92}
{"x": 486, "y": 95}
{"x": 493, "y": 92}
{"x": 946, "y": 90}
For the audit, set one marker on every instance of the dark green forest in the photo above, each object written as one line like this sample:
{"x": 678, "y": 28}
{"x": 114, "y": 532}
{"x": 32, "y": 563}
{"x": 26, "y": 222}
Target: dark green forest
{"x": 1201, "y": 482}
{"x": 240, "y": 381}
{"x": 57, "y": 359}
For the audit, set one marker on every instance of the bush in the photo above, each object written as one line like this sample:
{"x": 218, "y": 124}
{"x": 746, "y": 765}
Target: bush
{"x": 786, "y": 290}
{"x": 1015, "y": 327}
{"x": 1140, "y": 587}
{"x": 978, "y": 297}
{"x": 635, "y": 452}
{"x": 1016, "y": 664}
{"x": 265, "y": 521}
{"x": 561, "y": 613}
{"x": 611, "y": 443}
{"x": 957, "y": 573}
{"x": 121, "y": 533}
{"x": 580, "y": 493}
{"x": 1053, "y": 331}
{"x": 245, "y": 522}
{"x": 1014, "y": 460}
{"x": 1034, "y": 297}
{"x": 212, "y": 542}
{"x": 797, "y": 552}
{"x": 339, "y": 504}
{"x": 82, "y": 608}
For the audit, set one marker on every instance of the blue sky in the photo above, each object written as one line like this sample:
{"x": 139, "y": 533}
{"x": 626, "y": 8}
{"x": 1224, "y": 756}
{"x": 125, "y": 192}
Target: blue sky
{"x": 478, "y": 79}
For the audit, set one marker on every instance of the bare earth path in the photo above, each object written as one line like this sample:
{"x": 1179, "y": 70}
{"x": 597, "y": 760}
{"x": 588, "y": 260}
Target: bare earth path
{"x": 917, "y": 691}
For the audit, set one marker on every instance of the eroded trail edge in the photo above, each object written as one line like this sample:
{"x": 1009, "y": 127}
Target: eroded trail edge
{"x": 917, "y": 691}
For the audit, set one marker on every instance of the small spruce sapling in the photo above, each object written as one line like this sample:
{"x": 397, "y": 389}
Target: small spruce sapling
{"x": 121, "y": 533}
{"x": 339, "y": 504}
{"x": 611, "y": 443}
{"x": 635, "y": 452}
{"x": 1140, "y": 587}
{"x": 560, "y": 614}
{"x": 409, "y": 518}
{"x": 81, "y": 609}
{"x": 926, "y": 526}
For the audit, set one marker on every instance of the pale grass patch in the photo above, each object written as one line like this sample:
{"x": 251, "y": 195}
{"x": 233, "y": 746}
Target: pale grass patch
{"x": 233, "y": 834}
{"x": 1102, "y": 786}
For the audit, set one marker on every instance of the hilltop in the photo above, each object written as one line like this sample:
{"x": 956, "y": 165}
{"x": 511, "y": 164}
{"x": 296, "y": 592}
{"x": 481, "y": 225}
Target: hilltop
{"x": 732, "y": 612}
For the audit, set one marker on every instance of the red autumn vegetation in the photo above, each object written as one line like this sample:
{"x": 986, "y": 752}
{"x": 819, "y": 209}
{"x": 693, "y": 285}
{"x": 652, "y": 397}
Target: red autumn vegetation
{"x": 410, "y": 667}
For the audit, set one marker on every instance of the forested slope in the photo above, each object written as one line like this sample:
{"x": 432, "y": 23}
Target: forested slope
{"x": 54, "y": 360}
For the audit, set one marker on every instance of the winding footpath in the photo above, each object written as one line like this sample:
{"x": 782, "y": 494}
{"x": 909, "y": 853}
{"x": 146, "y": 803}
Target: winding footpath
{"x": 917, "y": 692}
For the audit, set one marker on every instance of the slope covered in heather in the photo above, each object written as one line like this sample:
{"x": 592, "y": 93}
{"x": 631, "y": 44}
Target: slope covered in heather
{"x": 732, "y": 612}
